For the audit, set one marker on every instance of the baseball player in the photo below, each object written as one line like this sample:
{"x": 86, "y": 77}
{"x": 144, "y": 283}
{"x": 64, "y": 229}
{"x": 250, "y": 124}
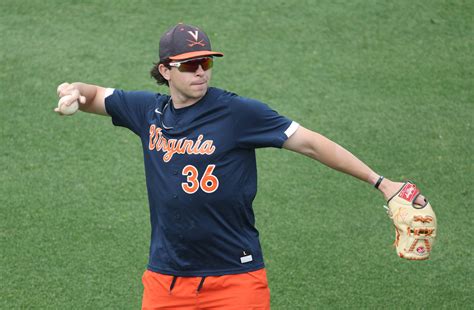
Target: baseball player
{"x": 199, "y": 151}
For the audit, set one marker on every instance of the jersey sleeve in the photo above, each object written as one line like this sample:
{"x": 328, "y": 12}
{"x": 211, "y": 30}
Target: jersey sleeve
{"x": 257, "y": 125}
{"x": 129, "y": 108}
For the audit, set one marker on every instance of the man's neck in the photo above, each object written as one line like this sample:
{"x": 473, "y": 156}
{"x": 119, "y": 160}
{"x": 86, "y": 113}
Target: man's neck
{"x": 181, "y": 101}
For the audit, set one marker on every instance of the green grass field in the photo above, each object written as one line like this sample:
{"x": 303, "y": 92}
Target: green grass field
{"x": 392, "y": 81}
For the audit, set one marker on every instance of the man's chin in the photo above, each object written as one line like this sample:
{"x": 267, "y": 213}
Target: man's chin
{"x": 199, "y": 90}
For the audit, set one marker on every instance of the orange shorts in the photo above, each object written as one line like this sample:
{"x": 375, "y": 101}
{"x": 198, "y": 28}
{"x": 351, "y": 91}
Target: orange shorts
{"x": 236, "y": 291}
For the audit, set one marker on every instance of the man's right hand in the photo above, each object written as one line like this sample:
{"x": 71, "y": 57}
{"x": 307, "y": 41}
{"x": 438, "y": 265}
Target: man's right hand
{"x": 91, "y": 98}
{"x": 66, "y": 89}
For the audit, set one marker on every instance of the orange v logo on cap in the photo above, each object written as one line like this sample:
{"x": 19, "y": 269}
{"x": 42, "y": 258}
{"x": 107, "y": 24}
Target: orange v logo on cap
{"x": 195, "y": 37}
{"x": 194, "y": 34}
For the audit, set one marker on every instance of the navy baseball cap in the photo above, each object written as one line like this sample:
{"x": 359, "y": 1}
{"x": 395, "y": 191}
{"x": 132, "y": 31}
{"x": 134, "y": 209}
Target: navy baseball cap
{"x": 184, "y": 42}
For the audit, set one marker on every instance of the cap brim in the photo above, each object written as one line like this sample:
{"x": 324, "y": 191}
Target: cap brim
{"x": 196, "y": 54}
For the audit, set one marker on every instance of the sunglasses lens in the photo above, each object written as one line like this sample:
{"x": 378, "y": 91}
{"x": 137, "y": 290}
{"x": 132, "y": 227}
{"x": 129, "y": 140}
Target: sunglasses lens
{"x": 207, "y": 64}
{"x": 193, "y": 65}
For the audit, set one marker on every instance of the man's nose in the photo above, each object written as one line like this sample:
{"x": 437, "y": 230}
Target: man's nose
{"x": 200, "y": 70}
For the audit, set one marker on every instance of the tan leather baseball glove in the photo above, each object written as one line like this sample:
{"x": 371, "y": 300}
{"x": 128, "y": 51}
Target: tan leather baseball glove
{"x": 415, "y": 225}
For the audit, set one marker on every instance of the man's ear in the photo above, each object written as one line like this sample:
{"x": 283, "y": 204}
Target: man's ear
{"x": 165, "y": 71}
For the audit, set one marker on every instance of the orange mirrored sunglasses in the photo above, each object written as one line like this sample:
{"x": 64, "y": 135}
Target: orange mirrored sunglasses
{"x": 192, "y": 65}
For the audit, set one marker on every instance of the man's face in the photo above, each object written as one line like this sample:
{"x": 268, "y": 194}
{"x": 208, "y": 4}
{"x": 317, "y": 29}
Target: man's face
{"x": 189, "y": 79}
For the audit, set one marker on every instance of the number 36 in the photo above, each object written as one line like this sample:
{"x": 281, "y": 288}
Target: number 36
{"x": 208, "y": 183}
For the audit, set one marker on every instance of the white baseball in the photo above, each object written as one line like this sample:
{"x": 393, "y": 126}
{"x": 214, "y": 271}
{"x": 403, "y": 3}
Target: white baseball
{"x": 68, "y": 109}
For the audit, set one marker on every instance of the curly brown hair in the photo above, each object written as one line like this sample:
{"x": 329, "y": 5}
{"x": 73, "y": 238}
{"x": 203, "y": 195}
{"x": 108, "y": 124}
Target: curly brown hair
{"x": 155, "y": 73}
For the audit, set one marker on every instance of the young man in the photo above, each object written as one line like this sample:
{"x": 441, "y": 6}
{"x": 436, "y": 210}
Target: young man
{"x": 199, "y": 151}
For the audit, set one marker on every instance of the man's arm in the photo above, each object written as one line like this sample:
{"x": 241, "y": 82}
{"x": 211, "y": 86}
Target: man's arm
{"x": 90, "y": 97}
{"x": 333, "y": 155}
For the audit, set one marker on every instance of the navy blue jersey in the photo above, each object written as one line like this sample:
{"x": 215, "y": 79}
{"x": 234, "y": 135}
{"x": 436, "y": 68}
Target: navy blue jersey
{"x": 201, "y": 176}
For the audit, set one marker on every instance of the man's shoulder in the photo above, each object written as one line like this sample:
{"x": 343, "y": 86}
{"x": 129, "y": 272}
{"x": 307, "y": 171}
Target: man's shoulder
{"x": 227, "y": 97}
{"x": 147, "y": 94}
{"x": 139, "y": 96}
{"x": 219, "y": 94}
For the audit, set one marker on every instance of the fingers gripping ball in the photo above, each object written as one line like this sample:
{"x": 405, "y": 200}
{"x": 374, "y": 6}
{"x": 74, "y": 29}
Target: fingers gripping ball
{"x": 67, "y": 106}
{"x": 415, "y": 226}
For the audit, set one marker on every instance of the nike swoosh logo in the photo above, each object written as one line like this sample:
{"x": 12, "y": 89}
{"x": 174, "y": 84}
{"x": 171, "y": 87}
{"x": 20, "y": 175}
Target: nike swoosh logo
{"x": 158, "y": 111}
